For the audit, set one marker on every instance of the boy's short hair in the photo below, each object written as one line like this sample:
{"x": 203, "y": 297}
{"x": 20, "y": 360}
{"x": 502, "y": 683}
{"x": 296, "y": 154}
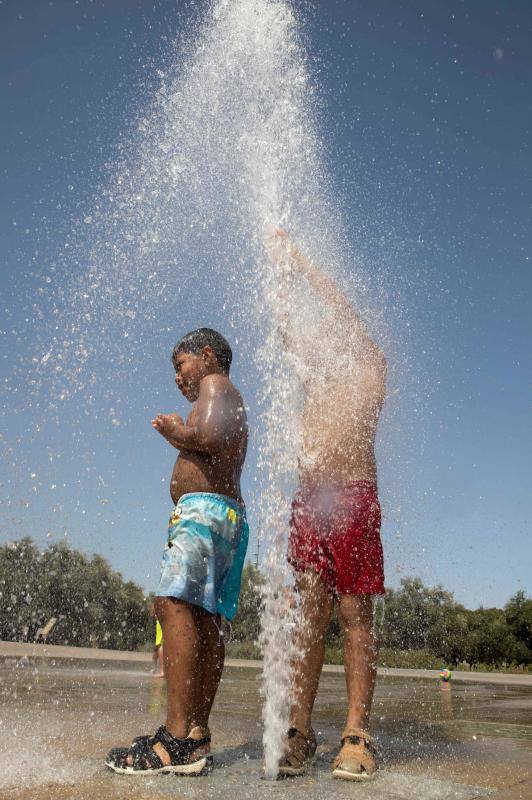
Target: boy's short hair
{"x": 195, "y": 341}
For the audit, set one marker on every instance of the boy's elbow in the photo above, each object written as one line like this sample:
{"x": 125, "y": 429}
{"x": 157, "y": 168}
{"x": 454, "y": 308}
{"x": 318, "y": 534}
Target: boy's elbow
{"x": 207, "y": 446}
{"x": 210, "y": 444}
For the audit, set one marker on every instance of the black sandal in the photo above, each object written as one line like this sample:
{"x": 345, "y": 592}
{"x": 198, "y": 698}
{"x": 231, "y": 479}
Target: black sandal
{"x": 117, "y": 752}
{"x": 147, "y": 762}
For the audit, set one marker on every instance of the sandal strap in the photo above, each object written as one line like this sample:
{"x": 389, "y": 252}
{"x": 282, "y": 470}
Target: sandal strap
{"x": 303, "y": 753}
{"x": 361, "y": 739}
{"x": 291, "y": 732}
{"x": 358, "y": 752}
{"x": 142, "y": 754}
{"x": 357, "y": 740}
{"x": 358, "y": 736}
{"x": 310, "y": 739}
{"x": 178, "y": 749}
{"x": 205, "y": 731}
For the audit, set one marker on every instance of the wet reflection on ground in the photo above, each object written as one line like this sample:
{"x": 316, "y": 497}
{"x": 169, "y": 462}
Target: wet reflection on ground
{"x": 60, "y": 718}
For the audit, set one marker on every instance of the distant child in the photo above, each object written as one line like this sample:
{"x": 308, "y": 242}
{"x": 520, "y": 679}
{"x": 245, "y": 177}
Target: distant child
{"x": 203, "y": 559}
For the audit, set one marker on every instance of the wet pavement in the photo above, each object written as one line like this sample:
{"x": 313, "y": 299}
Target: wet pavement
{"x": 60, "y": 717}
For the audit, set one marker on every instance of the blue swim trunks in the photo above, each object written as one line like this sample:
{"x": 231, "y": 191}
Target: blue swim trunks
{"x": 204, "y": 557}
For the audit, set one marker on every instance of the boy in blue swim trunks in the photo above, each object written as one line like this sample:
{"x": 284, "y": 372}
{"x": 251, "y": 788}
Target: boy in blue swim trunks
{"x": 203, "y": 559}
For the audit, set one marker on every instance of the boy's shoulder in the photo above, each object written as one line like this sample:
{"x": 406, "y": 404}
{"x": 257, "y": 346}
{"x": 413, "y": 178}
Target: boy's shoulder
{"x": 217, "y": 382}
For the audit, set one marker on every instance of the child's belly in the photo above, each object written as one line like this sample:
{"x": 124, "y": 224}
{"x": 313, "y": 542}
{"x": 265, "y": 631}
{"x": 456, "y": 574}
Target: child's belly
{"x": 195, "y": 473}
{"x": 190, "y": 474}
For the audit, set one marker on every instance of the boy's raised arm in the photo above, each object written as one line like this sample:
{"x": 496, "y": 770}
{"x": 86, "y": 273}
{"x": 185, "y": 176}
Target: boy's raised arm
{"x": 285, "y": 255}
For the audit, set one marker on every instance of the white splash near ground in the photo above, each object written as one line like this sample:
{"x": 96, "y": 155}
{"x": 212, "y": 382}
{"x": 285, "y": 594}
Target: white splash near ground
{"x": 32, "y": 753}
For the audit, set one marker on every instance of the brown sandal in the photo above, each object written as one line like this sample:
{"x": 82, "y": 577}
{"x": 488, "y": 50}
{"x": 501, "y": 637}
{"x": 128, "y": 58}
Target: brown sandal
{"x": 298, "y": 753}
{"x": 356, "y": 759}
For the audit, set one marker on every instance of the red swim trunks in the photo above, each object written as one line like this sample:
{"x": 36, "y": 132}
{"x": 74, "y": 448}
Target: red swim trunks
{"x": 335, "y": 531}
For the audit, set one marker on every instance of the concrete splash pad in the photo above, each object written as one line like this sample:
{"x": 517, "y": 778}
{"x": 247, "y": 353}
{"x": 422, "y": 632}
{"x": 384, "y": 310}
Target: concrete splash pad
{"x": 237, "y": 776}
{"x": 59, "y": 718}
{"x": 242, "y": 780}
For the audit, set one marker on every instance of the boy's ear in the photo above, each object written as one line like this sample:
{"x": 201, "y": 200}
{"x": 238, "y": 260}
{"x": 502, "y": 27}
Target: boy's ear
{"x": 207, "y": 353}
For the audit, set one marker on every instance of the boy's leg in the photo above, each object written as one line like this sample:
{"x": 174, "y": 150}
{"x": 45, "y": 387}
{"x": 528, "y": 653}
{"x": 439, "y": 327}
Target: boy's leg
{"x": 316, "y": 608}
{"x": 181, "y": 636}
{"x": 210, "y": 664}
{"x": 181, "y": 651}
{"x": 360, "y": 656}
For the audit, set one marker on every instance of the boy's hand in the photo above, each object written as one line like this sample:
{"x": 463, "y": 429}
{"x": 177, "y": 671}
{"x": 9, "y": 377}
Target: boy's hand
{"x": 167, "y": 424}
{"x": 278, "y": 246}
{"x": 284, "y": 254}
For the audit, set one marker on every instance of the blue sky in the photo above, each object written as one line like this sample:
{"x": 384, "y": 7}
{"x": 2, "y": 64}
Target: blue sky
{"x": 426, "y": 118}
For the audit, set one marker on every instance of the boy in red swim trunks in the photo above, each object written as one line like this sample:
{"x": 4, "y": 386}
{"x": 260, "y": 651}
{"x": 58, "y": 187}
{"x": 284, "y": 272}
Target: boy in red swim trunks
{"x": 334, "y": 544}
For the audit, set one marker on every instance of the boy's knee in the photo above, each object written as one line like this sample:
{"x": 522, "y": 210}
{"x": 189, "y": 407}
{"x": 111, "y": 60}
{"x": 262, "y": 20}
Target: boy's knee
{"x": 356, "y": 612}
{"x": 347, "y": 619}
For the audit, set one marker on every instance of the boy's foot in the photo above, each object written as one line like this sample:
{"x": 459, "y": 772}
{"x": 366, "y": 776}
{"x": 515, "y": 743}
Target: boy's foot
{"x": 356, "y": 759}
{"x": 298, "y": 753}
{"x": 163, "y": 753}
{"x": 203, "y": 736}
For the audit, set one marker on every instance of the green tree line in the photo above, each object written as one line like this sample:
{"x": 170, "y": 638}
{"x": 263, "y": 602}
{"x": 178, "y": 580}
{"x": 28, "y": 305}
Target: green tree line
{"x": 417, "y": 626}
{"x": 94, "y": 606}
{"x": 92, "y": 603}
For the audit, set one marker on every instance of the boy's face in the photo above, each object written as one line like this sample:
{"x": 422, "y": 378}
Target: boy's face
{"x": 189, "y": 370}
